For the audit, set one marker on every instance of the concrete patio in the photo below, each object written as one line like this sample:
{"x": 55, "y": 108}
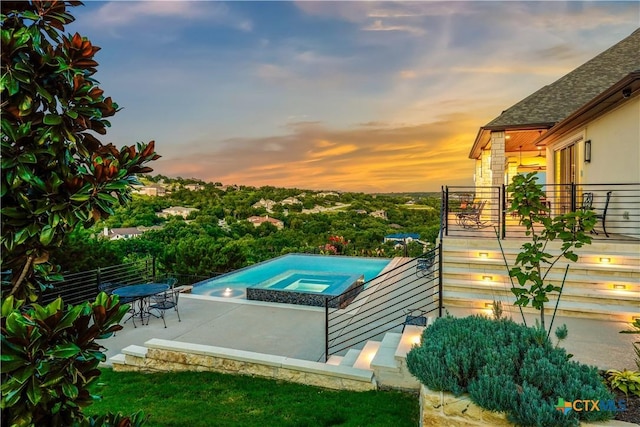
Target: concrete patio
{"x": 298, "y": 331}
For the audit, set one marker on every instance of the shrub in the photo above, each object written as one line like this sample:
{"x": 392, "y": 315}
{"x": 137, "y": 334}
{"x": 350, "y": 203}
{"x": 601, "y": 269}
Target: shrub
{"x": 506, "y": 367}
{"x": 49, "y": 359}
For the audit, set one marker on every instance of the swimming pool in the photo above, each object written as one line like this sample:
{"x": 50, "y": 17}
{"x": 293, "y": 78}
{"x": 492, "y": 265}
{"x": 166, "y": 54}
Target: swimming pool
{"x": 295, "y": 278}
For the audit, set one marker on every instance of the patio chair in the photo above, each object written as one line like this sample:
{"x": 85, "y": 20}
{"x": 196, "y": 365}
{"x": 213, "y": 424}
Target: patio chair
{"x": 472, "y": 217}
{"x": 587, "y": 204}
{"x": 108, "y": 287}
{"x": 603, "y": 216}
{"x": 415, "y": 317}
{"x": 424, "y": 265}
{"x": 166, "y": 300}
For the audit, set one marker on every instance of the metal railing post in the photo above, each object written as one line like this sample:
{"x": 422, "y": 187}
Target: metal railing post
{"x": 445, "y": 210}
{"x": 98, "y": 278}
{"x": 573, "y": 197}
{"x": 326, "y": 329}
{"x": 153, "y": 267}
{"x": 440, "y": 279}
{"x": 503, "y": 204}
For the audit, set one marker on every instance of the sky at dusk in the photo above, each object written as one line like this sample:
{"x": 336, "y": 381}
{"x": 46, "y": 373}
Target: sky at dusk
{"x": 350, "y": 95}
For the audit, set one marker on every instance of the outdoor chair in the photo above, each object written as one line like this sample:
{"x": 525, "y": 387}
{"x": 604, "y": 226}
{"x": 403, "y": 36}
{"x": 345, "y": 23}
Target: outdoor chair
{"x": 166, "y": 300}
{"x": 472, "y": 216}
{"x": 415, "y": 317}
{"x": 108, "y": 287}
{"x": 587, "y": 204}
{"x": 424, "y": 265}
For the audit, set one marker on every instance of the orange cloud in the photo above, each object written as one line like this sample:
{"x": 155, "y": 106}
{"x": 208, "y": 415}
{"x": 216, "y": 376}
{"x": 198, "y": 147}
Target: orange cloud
{"x": 372, "y": 159}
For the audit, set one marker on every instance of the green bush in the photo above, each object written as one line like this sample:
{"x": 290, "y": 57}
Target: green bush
{"x": 50, "y": 357}
{"x": 506, "y": 367}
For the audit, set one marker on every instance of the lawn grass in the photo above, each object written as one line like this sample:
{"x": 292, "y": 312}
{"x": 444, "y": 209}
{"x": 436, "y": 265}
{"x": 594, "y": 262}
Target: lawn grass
{"x": 213, "y": 399}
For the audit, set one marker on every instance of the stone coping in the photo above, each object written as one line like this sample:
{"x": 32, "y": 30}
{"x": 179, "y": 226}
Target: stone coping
{"x": 263, "y": 359}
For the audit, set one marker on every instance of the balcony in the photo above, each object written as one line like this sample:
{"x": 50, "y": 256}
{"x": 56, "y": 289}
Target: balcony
{"x": 482, "y": 212}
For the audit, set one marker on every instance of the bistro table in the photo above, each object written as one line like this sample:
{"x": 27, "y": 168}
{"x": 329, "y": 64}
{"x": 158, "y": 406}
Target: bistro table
{"x": 140, "y": 294}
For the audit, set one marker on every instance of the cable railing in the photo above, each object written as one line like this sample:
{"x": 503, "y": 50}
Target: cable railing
{"x": 480, "y": 211}
{"x": 83, "y": 286}
{"x": 384, "y": 302}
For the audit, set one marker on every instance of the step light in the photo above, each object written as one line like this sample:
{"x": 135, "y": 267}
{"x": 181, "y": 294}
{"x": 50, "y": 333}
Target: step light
{"x": 483, "y": 255}
{"x": 487, "y": 278}
{"x": 621, "y": 287}
{"x": 488, "y": 305}
{"x": 605, "y": 260}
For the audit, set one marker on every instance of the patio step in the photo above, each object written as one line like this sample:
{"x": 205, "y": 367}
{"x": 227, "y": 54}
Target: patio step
{"x": 118, "y": 359}
{"x": 350, "y": 358}
{"x": 366, "y": 355}
{"x": 135, "y": 350}
{"x": 334, "y": 360}
{"x": 384, "y": 359}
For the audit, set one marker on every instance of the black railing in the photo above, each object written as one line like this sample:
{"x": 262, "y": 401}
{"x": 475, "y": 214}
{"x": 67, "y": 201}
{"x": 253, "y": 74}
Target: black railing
{"x": 383, "y": 303}
{"x": 479, "y": 211}
{"x": 83, "y": 286}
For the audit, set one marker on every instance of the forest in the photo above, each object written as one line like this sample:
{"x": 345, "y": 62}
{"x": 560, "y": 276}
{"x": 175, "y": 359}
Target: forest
{"x": 217, "y": 238}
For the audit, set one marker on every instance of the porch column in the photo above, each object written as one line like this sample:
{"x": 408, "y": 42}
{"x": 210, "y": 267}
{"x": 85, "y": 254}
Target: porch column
{"x": 498, "y": 142}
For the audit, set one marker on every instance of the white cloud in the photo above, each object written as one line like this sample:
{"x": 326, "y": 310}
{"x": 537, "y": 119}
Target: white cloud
{"x": 117, "y": 14}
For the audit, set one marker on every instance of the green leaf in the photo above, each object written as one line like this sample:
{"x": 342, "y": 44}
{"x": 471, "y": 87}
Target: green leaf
{"x": 52, "y": 119}
{"x": 64, "y": 351}
{"x": 47, "y": 234}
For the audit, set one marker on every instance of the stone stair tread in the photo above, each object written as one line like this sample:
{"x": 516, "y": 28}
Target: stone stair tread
{"x": 335, "y": 360}
{"x": 385, "y": 356}
{"x": 135, "y": 350}
{"x": 366, "y": 355}
{"x": 410, "y": 337}
{"x": 350, "y": 358}
{"x": 118, "y": 359}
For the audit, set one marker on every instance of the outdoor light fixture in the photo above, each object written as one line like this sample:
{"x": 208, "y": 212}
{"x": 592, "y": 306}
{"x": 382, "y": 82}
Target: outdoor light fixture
{"x": 587, "y": 151}
{"x": 483, "y": 255}
{"x": 605, "y": 260}
{"x": 620, "y": 287}
{"x": 488, "y": 305}
{"x": 487, "y": 278}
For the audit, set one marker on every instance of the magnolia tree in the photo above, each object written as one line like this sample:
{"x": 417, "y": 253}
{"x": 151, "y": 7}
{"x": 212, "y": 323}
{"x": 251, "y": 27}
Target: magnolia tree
{"x": 56, "y": 175}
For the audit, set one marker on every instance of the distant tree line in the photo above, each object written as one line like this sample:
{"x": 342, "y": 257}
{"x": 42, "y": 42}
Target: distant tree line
{"x": 199, "y": 245}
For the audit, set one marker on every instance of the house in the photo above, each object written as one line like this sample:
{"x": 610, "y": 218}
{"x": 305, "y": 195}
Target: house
{"x": 194, "y": 187}
{"x": 268, "y": 204}
{"x": 152, "y": 190}
{"x": 257, "y": 221}
{"x": 176, "y": 211}
{"x": 582, "y": 128}
{"x": 290, "y": 201}
{"x": 379, "y": 214}
{"x": 581, "y": 136}
{"x": 121, "y": 233}
{"x": 328, "y": 194}
{"x": 401, "y": 237}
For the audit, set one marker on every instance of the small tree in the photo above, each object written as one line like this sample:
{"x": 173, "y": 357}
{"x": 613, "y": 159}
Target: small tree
{"x": 534, "y": 262}
{"x": 55, "y": 173}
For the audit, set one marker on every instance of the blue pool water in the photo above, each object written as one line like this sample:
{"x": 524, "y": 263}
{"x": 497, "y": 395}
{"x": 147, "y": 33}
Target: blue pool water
{"x": 295, "y": 272}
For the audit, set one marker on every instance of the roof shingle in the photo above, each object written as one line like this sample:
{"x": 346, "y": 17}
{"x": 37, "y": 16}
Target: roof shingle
{"x": 556, "y": 101}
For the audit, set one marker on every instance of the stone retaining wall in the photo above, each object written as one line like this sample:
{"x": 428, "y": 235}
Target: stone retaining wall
{"x": 438, "y": 408}
{"x": 164, "y": 355}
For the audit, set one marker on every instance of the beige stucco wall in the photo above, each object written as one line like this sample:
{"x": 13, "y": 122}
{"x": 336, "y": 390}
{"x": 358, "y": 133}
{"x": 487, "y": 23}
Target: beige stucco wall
{"x": 615, "y": 146}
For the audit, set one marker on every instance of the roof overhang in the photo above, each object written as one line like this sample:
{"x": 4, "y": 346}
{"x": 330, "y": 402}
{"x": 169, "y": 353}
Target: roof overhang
{"x": 483, "y": 138}
{"x": 618, "y": 94}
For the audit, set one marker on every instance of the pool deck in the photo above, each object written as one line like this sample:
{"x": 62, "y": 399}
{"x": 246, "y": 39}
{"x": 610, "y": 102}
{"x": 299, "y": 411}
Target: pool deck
{"x": 298, "y": 331}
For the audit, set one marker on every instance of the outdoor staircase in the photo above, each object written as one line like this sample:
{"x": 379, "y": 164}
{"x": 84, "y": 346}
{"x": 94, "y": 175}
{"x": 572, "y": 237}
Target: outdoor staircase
{"x": 603, "y": 284}
{"x": 386, "y": 359}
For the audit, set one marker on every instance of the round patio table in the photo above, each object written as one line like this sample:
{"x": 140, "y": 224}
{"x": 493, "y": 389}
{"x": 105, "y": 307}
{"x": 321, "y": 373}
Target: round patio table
{"x": 140, "y": 294}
